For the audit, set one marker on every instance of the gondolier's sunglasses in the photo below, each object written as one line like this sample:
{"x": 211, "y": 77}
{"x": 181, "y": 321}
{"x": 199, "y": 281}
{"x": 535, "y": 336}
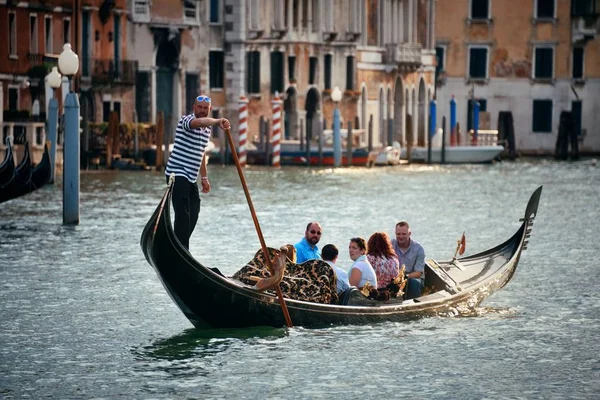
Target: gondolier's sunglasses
{"x": 203, "y": 98}
{"x": 315, "y": 232}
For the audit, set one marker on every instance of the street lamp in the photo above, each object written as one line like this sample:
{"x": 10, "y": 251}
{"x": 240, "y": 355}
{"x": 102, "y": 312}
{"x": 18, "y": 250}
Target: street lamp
{"x": 336, "y": 96}
{"x": 53, "y": 79}
{"x": 68, "y": 62}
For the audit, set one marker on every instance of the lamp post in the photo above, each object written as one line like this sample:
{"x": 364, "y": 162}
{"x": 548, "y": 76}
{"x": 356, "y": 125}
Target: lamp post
{"x": 68, "y": 62}
{"x": 53, "y": 79}
{"x": 336, "y": 96}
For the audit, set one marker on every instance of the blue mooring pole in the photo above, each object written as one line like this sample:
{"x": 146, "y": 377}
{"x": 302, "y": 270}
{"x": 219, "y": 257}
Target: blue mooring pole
{"x": 432, "y": 123}
{"x": 453, "y": 133}
{"x": 337, "y": 140}
{"x": 52, "y": 121}
{"x": 475, "y": 120}
{"x": 71, "y": 161}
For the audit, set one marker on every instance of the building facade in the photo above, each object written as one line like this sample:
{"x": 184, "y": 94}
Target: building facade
{"x": 379, "y": 53}
{"x": 36, "y": 32}
{"x": 535, "y": 60}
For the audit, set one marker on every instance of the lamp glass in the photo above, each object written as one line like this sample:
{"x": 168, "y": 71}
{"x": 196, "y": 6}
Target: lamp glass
{"x": 68, "y": 61}
{"x": 54, "y": 78}
{"x": 336, "y": 94}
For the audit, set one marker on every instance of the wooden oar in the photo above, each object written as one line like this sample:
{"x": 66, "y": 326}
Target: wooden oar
{"x": 286, "y": 314}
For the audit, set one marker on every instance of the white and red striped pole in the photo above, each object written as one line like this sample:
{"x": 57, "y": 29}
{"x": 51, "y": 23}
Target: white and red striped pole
{"x": 243, "y": 128}
{"x": 276, "y": 130}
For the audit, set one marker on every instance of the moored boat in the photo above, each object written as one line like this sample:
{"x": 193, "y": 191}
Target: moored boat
{"x": 211, "y": 300}
{"x": 7, "y": 167}
{"x": 27, "y": 178}
{"x": 455, "y": 154}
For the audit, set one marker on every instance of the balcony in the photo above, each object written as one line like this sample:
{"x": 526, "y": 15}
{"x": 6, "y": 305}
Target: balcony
{"x": 585, "y": 28}
{"x": 39, "y": 59}
{"x": 403, "y": 53}
{"x": 109, "y": 72}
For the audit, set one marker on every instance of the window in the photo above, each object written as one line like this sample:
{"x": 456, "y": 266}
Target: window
{"x": 440, "y": 53}
{"x": 192, "y": 90}
{"x": 216, "y": 64}
{"x": 33, "y": 34}
{"x": 544, "y": 63}
{"x": 312, "y": 71}
{"x": 48, "y": 35}
{"x": 12, "y": 31}
{"x": 254, "y": 10}
{"x": 544, "y": 9}
{"x": 279, "y": 17}
{"x": 253, "y": 72}
{"x": 117, "y": 108}
{"x": 105, "y": 111}
{"x": 66, "y": 30}
{"x": 190, "y": 11}
{"x": 478, "y": 62}
{"x": 13, "y": 97}
{"x": 542, "y": 116}
{"x": 577, "y": 69}
{"x": 581, "y": 8}
{"x": 350, "y": 73}
{"x": 108, "y": 107}
{"x": 291, "y": 68}
{"x": 117, "y": 44}
{"x": 215, "y": 11}
{"x": 142, "y": 96}
{"x": 480, "y": 9}
{"x": 277, "y": 69}
{"x": 86, "y": 52}
{"x": 327, "y": 71}
{"x": 316, "y": 16}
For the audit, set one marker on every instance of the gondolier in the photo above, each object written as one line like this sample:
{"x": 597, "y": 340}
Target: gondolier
{"x": 186, "y": 161}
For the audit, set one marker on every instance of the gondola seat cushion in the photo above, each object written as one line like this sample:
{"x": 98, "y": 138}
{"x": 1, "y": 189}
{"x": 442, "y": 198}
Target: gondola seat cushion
{"x": 314, "y": 280}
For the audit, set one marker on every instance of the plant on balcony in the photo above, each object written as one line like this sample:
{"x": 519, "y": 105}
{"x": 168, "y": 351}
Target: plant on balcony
{"x": 38, "y": 71}
{"x": 16, "y": 115}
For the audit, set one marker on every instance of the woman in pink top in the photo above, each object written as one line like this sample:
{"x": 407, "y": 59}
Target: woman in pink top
{"x": 382, "y": 257}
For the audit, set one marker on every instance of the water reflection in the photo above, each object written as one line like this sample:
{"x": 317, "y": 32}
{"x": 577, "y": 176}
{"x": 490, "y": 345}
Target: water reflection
{"x": 193, "y": 343}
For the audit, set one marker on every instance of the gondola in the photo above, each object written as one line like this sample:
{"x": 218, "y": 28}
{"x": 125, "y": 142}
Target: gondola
{"x": 27, "y": 178}
{"x": 211, "y": 300}
{"x": 7, "y": 167}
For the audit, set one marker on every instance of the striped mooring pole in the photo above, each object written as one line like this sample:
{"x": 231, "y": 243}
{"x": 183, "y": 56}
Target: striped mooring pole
{"x": 276, "y": 135}
{"x": 243, "y": 129}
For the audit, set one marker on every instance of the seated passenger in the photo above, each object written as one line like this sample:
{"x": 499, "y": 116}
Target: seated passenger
{"x": 306, "y": 249}
{"x": 330, "y": 255}
{"x": 382, "y": 257}
{"x": 361, "y": 271}
{"x": 412, "y": 256}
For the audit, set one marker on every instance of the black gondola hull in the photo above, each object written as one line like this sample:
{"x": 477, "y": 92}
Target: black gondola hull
{"x": 210, "y": 300}
{"x": 27, "y": 178}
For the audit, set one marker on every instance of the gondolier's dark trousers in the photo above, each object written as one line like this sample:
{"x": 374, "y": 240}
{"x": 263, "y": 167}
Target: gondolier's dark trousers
{"x": 186, "y": 203}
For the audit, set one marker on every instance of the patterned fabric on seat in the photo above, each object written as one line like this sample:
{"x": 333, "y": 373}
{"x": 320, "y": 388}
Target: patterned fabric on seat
{"x": 313, "y": 280}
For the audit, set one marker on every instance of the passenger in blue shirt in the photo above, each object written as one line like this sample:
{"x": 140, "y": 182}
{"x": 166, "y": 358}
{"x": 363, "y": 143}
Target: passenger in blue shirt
{"x": 330, "y": 254}
{"x": 307, "y": 249}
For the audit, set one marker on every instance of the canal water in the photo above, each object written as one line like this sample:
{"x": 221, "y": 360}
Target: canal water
{"x": 82, "y": 314}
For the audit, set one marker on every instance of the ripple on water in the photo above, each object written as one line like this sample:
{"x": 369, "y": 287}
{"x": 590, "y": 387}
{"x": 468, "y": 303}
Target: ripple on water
{"x": 84, "y": 316}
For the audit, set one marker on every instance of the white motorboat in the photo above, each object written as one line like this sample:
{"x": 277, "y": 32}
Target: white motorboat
{"x": 455, "y": 154}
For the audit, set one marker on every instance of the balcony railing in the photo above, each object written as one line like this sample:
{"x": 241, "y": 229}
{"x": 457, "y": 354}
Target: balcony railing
{"x": 111, "y": 72}
{"x": 403, "y": 53}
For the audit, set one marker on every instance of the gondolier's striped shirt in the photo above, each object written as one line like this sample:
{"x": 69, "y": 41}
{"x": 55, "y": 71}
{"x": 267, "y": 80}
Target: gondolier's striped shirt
{"x": 188, "y": 149}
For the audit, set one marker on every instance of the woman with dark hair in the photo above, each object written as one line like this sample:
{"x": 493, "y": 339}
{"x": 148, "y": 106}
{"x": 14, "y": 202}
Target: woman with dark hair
{"x": 361, "y": 271}
{"x": 382, "y": 257}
